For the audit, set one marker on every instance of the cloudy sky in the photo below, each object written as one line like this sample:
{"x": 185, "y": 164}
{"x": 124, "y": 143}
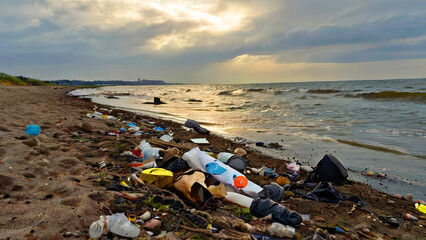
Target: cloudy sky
{"x": 213, "y": 41}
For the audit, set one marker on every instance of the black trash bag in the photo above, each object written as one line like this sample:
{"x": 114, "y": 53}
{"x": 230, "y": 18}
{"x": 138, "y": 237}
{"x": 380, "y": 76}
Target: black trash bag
{"x": 357, "y": 200}
{"x": 237, "y": 162}
{"x": 329, "y": 169}
{"x": 165, "y": 163}
{"x": 324, "y": 192}
{"x": 272, "y": 191}
{"x": 196, "y": 126}
{"x": 175, "y": 164}
{"x": 264, "y": 207}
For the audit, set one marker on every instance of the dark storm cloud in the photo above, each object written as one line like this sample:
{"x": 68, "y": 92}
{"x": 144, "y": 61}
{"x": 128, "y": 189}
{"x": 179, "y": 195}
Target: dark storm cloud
{"x": 173, "y": 34}
{"x": 384, "y": 29}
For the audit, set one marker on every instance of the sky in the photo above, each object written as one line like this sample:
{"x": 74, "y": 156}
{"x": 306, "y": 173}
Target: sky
{"x": 213, "y": 41}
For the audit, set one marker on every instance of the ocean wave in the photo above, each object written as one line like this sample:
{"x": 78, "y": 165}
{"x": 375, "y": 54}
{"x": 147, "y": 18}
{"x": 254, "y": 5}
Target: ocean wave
{"x": 408, "y": 132}
{"x": 323, "y": 91}
{"x": 236, "y": 108}
{"x": 299, "y": 90}
{"x": 225, "y": 93}
{"x": 255, "y": 89}
{"x": 392, "y": 95}
{"x": 237, "y": 92}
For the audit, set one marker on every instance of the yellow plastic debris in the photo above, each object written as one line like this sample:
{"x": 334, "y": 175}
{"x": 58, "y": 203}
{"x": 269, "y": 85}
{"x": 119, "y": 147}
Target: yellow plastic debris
{"x": 158, "y": 176}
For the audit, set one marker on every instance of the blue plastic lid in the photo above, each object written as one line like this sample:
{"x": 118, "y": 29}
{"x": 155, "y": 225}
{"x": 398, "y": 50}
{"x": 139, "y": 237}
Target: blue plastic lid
{"x": 33, "y": 130}
{"x": 159, "y": 129}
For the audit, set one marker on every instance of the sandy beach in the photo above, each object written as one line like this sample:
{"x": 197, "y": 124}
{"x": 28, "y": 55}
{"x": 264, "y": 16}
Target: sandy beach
{"x": 52, "y": 188}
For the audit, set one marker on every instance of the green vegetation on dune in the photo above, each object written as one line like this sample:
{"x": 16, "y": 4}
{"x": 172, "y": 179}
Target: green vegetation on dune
{"x": 6, "y": 79}
{"x": 89, "y": 86}
{"x": 34, "y": 82}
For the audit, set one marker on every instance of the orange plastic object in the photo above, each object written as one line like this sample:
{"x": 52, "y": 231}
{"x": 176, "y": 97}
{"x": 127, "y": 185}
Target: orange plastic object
{"x": 240, "y": 182}
{"x": 282, "y": 180}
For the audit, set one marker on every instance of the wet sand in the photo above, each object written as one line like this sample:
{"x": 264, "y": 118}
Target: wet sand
{"x": 51, "y": 188}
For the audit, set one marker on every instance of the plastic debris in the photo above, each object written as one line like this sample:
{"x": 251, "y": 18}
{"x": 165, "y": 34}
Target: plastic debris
{"x": 420, "y": 207}
{"x": 159, "y": 176}
{"x": 117, "y": 223}
{"x": 279, "y": 230}
{"x": 198, "y": 160}
{"x": 166, "y": 138}
{"x": 292, "y": 166}
{"x": 196, "y": 126}
{"x": 200, "y": 141}
{"x": 33, "y": 130}
{"x": 410, "y": 217}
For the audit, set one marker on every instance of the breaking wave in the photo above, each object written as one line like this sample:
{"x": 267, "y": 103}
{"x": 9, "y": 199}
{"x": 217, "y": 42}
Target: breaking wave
{"x": 392, "y": 95}
{"x": 255, "y": 89}
{"x": 323, "y": 91}
{"x": 237, "y": 92}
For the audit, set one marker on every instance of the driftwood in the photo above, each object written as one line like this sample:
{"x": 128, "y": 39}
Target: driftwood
{"x": 154, "y": 188}
{"x": 223, "y": 234}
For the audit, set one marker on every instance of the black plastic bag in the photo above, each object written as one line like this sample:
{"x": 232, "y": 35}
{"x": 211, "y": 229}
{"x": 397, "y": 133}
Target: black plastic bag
{"x": 264, "y": 207}
{"x": 329, "y": 169}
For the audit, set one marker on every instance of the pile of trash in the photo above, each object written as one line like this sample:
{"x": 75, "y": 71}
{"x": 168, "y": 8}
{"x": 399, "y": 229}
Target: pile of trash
{"x": 165, "y": 190}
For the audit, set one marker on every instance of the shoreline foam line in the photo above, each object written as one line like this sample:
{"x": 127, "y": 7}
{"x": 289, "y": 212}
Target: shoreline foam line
{"x": 377, "y": 148}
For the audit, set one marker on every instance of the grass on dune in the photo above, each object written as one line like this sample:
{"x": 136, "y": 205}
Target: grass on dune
{"x": 6, "y": 79}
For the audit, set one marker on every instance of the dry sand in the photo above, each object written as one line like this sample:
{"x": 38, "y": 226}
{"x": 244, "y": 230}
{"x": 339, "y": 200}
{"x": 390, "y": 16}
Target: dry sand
{"x": 48, "y": 189}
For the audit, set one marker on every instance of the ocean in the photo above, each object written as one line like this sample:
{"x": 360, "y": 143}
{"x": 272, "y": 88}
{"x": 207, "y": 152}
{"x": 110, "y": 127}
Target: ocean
{"x": 374, "y": 125}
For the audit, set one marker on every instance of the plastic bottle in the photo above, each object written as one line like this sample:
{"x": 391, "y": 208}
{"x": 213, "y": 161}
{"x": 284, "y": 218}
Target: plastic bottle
{"x": 149, "y": 152}
{"x": 421, "y": 207}
{"x": 239, "y": 199}
{"x": 143, "y": 144}
{"x": 224, "y": 156}
{"x": 199, "y": 160}
{"x": 280, "y": 230}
